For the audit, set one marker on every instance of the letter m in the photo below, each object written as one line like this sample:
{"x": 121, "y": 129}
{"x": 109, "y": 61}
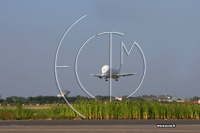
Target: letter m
{"x": 127, "y": 52}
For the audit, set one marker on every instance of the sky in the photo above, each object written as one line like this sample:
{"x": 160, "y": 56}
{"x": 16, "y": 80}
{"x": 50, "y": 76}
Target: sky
{"x": 168, "y": 33}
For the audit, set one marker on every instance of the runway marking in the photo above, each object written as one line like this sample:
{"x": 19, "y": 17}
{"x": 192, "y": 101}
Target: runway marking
{"x": 146, "y": 130}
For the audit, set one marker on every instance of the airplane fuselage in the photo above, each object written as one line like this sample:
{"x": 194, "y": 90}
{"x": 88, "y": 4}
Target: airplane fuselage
{"x": 106, "y": 72}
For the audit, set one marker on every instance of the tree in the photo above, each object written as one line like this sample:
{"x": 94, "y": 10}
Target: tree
{"x": 195, "y": 98}
{"x": 9, "y": 100}
{"x": 1, "y": 100}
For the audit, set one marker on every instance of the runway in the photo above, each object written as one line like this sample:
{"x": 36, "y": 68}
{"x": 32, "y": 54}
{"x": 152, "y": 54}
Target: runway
{"x": 96, "y": 122}
{"x": 97, "y": 126}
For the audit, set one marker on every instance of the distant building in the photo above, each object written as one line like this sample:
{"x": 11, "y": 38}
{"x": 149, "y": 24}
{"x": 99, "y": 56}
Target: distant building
{"x": 156, "y": 97}
{"x": 118, "y": 98}
{"x": 179, "y": 100}
{"x": 64, "y": 92}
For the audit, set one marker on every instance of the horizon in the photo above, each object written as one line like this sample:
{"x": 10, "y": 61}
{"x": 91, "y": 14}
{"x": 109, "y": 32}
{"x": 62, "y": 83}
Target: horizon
{"x": 103, "y": 96}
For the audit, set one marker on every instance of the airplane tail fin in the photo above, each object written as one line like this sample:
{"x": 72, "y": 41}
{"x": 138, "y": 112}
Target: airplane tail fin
{"x": 119, "y": 68}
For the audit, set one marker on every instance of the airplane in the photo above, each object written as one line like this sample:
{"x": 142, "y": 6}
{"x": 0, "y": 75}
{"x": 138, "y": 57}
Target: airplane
{"x": 115, "y": 73}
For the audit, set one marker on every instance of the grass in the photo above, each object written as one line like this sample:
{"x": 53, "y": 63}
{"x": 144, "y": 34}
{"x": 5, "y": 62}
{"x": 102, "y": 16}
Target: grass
{"x": 110, "y": 110}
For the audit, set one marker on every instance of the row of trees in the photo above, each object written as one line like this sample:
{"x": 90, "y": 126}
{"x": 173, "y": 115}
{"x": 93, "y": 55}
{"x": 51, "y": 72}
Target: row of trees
{"x": 195, "y": 98}
{"x": 41, "y": 99}
{"x": 54, "y": 99}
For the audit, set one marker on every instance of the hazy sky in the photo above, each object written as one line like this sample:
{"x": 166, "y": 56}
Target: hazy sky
{"x": 167, "y": 31}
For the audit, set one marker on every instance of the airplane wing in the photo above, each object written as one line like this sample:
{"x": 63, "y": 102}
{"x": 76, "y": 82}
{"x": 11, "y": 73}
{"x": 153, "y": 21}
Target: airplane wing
{"x": 126, "y": 74}
{"x": 96, "y": 75}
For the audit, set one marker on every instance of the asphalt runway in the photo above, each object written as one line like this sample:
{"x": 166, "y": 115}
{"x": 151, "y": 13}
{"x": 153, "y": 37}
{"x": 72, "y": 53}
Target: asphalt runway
{"x": 96, "y": 122}
{"x": 98, "y": 126}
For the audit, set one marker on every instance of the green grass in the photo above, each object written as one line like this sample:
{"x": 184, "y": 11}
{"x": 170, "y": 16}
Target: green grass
{"x": 110, "y": 110}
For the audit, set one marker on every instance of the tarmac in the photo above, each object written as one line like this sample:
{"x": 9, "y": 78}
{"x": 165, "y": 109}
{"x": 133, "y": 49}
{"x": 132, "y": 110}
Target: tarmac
{"x": 98, "y": 126}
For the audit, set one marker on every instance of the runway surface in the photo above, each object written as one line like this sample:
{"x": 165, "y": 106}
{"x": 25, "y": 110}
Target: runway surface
{"x": 97, "y": 122}
{"x": 98, "y": 126}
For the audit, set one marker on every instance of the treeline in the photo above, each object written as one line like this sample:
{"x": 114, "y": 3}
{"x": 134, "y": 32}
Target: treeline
{"x": 195, "y": 98}
{"x": 41, "y": 99}
{"x": 53, "y": 99}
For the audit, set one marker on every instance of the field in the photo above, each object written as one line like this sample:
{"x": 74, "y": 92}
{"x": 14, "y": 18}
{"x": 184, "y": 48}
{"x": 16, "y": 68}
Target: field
{"x": 95, "y": 109}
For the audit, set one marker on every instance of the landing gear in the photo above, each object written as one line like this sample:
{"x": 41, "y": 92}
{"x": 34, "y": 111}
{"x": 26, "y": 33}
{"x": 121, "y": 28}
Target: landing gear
{"x": 116, "y": 79}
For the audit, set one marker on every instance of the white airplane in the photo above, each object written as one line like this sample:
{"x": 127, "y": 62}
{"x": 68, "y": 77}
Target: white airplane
{"x": 115, "y": 73}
